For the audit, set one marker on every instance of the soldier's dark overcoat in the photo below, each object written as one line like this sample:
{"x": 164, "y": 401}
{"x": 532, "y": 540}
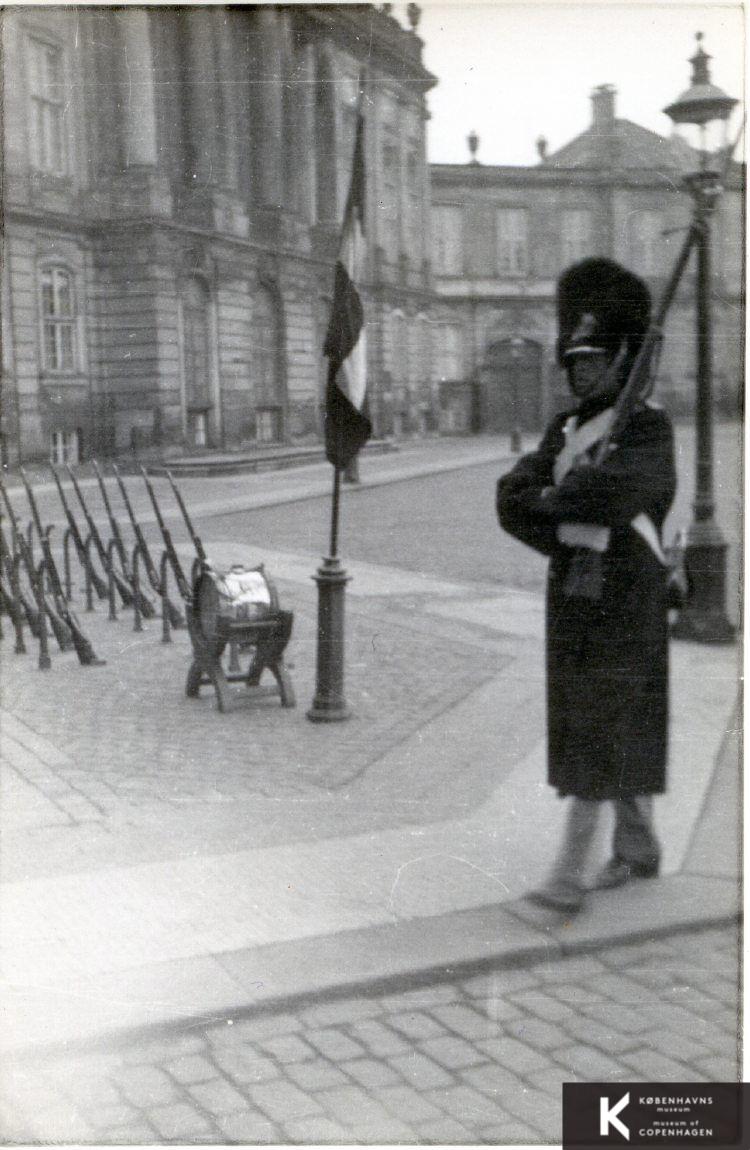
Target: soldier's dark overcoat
{"x": 607, "y": 662}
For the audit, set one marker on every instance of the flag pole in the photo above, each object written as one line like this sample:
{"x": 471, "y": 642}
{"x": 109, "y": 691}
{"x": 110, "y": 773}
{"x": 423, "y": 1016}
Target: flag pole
{"x": 345, "y": 328}
{"x": 329, "y": 704}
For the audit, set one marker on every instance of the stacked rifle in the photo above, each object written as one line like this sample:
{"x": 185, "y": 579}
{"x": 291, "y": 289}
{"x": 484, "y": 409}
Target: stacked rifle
{"x": 34, "y": 594}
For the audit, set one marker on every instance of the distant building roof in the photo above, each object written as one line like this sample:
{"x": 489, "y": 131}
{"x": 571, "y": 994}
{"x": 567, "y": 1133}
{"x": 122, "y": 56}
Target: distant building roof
{"x": 623, "y": 144}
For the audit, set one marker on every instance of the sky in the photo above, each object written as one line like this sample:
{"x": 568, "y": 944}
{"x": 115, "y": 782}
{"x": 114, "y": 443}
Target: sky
{"x": 514, "y": 71}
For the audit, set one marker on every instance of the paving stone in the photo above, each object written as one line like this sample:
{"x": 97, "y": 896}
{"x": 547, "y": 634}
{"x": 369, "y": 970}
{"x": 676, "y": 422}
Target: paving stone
{"x": 615, "y": 987}
{"x": 492, "y": 1079}
{"x": 539, "y": 1110}
{"x": 543, "y": 1005}
{"x": 420, "y": 1071}
{"x": 253, "y": 1029}
{"x": 288, "y": 1048}
{"x": 243, "y": 1064}
{"x": 107, "y": 1116}
{"x": 178, "y": 1121}
{"x": 341, "y": 1011}
{"x": 513, "y": 1055}
{"x": 353, "y": 1106}
{"x": 574, "y": 995}
{"x": 406, "y": 1103}
{"x": 507, "y": 1133}
{"x": 380, "y": 1040}
{"x": 446, "y": 1132}
{"x": 464, "y": 1021}
{"x": 720, "y": 1069}
{"x": 678, "y": 1046}
{"x": 656, "y": 978}
{"x": 248, "y": 1129}
{"x": 217, "y": 1096}
{"x": 496, "y": 1008}
{"x": 652, "y": 1066}
{"x": 607, "y": 1038}
{"x": 537, "y": 1033}
{"x": 415, "y": 1025}
{"x": 316, "y": 1075}
{"x": 283, "y": 1100}
{"x": 452, "y": 1052}
{"x": 468, "y": 1106}
{"x": 591, "y": 1065}
{"x": 670, "y": 1016}
{"x": 317, "y": 1131}
{"x": 334, "y": 1044}
{"x": 146, "y": 1086}
{"x": 62, "y": 1123}
{"x": 550, "y": 1081}
{"x": 371, "y": 1073}
{"x": 191, "y": 1068}
{"x": 627, "y": 1020}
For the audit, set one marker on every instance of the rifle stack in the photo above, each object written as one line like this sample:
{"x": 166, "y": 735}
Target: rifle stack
{"x": 37, "y": 581}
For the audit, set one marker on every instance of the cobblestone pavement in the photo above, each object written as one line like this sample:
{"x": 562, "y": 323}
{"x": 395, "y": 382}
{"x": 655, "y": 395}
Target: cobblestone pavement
{"x": 470, "y": 1060}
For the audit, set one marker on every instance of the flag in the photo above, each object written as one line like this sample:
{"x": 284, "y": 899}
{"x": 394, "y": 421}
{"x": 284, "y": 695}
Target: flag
{"x": 347, "y": 425}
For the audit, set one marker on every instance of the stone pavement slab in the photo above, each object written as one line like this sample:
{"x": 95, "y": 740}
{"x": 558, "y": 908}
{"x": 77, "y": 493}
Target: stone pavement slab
{"x": 441, "y": 1062}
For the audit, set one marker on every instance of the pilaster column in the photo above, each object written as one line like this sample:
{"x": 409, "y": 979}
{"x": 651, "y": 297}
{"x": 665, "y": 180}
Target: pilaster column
{"x": 271, "y": 106}
{"x": 227, "y": 99}
{"x": 138, "y": 105}
{"x": 306, "y": 151}
{"x": 200, "y": 95}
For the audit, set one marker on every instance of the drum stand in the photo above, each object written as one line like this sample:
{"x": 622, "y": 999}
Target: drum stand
{"x": 268, "y": 638}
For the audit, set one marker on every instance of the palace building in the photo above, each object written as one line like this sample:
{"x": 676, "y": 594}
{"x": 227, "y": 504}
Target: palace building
{"x": 175, "y": 181}
{"x": 502, "y": 236}
{"x": 174, "y": 188}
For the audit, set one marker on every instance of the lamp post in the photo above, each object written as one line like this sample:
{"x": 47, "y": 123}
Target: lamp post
{"x": 516, "y": 351}
{"x": 704, "y": 617}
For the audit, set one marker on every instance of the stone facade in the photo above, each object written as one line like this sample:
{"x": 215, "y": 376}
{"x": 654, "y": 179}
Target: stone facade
{"x": 502, "y": 235}
{"x": 175, "y": 182}
{"x": 174, "y": 187}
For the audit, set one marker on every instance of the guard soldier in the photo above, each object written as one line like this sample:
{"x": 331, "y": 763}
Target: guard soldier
{"x": 607, "y": 657}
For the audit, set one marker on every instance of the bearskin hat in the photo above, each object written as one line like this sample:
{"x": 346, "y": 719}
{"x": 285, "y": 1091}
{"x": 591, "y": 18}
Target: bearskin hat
{"x": 599, "y": 305}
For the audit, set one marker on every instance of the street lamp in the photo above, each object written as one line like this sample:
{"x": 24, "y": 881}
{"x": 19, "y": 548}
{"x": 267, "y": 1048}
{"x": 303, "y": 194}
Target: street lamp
{"x": 516, "y": 351}
{"x": 702, "y": 109}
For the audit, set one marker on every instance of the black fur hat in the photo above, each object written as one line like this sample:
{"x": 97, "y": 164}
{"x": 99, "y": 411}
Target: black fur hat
{"x": 600, "y": 304}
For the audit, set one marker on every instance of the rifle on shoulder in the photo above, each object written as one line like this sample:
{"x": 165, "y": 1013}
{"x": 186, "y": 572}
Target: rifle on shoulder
{"x": 176, "y": 618}
{"x": 83, "y": 648}
{"x": 183, "y": 585}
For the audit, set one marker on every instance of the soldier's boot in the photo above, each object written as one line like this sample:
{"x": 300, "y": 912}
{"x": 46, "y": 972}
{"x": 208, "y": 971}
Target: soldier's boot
{"x": 564, "y": 889}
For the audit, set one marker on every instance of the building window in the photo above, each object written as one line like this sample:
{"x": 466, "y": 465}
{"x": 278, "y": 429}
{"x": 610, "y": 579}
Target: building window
{"x": 65, "y": 447}
{"x": 646, "y": 242}
{"x": 46, "y": 118}
{"x": 576, "y": 235}
{"x": 58, "y": 320}
{"x": 512, "y": 231}
{"x": 451, "y": 341}
{"x": 447, "y": 245}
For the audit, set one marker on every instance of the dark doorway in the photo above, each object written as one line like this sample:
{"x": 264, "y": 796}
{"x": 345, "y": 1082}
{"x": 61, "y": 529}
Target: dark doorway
{"x": 511, "y": 386}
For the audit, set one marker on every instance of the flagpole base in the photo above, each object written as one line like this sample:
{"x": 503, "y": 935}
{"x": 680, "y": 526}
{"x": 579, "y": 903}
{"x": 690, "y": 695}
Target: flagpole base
{"x": 329, "y": 704}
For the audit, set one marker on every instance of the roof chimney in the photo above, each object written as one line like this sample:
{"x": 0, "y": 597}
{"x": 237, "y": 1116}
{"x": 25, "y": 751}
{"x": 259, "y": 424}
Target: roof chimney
{"x": 603, "y": 107}
{"x": 541, "y": 148}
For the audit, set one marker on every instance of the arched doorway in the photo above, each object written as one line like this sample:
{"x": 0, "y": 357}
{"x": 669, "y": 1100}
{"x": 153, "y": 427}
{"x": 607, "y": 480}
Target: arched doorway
{"x": 511, "y": 386}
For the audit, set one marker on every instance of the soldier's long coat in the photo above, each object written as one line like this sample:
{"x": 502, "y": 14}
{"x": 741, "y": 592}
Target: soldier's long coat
{"x": 607, "y": 662}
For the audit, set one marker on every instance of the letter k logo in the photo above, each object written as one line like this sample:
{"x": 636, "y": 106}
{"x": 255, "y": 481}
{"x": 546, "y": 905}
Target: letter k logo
{"x": 608, "y": 1116}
